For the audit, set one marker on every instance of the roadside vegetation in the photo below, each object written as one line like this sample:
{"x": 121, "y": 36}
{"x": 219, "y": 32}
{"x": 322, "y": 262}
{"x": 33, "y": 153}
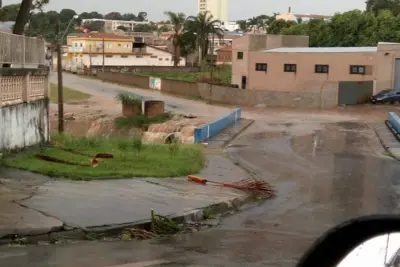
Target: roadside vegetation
{"x": 131, "y": 158}
{"x": 69, "y": 94}
{"x": 139, "y": 121}
{"x": 221, "y": 74}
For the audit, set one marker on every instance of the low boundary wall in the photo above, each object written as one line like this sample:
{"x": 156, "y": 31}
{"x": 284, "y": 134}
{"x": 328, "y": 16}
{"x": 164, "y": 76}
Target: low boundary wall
{"x": 325, "y": 97}
{"x": 208, "y": 130}
{"x": 24, "y": 124}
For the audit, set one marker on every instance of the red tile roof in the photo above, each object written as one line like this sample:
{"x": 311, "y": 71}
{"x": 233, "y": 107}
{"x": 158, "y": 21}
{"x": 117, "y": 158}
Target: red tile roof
{"x": 225, "y": 49}
{"x": 104, "y": 35}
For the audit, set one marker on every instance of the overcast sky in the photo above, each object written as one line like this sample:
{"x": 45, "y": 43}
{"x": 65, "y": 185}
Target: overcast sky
{"x": 238, "y": 9}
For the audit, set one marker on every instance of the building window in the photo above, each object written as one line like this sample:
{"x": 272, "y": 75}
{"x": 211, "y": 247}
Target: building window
{"x": 357, "y": 69}
{"x": 109, "y": 56}
{"x": 80, "y": 45}
{"x": 166, "y": 59}
{"x": 109, "y": 45}
{"x": 139, "y": 56}
{"x": 160, "y": 59}
{"x": 126, "y": 46}
{"x": 261, "y": 66}
{"x": 321, "y": 68}
{"x": 290, "y": 68}
{"x": 239, "y": 55}
{"x": 119, "y": 45}
{"x": 123, "y": 56}
{"x": 154, "y": 56}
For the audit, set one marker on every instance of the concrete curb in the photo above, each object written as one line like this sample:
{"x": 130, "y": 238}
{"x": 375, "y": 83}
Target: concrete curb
{"x": 223, "y": 138}
{"x": 388, "y": 140}
{"x": 71, "y": 233}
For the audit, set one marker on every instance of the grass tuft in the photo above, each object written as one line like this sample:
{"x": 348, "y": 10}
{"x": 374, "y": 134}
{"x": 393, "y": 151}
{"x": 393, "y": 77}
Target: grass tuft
{"x": 128, "y": 98}
{"x": 141, "y": 120}
{"x": 68, "y": 93}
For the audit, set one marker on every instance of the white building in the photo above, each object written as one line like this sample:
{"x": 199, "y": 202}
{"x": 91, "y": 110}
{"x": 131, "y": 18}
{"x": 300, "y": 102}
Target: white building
{"x": 295, "y": 17}
{"x": 112, "y": 25}
{"x": 217, "y": 8}
{"x": 151, "y": 57}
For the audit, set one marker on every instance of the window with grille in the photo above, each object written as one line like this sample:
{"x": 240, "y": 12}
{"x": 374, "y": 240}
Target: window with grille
{"x": 321, "y": 68}
{"x": 290, "y": 68}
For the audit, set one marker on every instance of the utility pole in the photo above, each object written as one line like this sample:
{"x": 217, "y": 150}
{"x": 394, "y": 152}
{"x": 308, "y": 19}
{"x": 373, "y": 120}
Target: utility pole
{"x": 103, "y": 54}
{"x": 212, "y": 58}
{"x": 90, "y": 60}
{"x": 60, "y": 80}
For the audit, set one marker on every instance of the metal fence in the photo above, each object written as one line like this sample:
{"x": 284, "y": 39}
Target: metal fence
{"x": 21, "y": 50}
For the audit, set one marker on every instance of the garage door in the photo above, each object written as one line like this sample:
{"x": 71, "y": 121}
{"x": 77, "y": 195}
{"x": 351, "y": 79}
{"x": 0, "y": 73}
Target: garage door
{"x": 351, "y": 93}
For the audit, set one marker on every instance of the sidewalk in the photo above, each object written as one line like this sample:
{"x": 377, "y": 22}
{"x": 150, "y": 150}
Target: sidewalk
{"x": 34, "y": 204}
{"x": 389, "y": 142}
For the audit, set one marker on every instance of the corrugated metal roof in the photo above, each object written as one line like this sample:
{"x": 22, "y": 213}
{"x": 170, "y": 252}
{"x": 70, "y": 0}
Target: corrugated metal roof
{"x": 321, "y": 50}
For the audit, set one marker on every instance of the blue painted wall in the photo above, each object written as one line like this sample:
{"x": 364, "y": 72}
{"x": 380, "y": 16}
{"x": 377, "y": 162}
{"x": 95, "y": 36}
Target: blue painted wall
{"x": 394, "y": 121}
{"x": 206, "y": 131}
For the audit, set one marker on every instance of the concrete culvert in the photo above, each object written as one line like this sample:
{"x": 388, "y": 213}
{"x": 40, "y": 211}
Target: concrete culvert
{"x": 171, "y": 138}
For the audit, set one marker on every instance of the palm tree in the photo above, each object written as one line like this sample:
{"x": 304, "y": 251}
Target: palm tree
{"x": 202, "y": 26}
{"x": 178, "y": 20}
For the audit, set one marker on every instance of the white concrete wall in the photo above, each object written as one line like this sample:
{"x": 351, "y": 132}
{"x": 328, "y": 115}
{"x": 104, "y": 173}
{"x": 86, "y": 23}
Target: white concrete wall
{"x": 23, "y": 125}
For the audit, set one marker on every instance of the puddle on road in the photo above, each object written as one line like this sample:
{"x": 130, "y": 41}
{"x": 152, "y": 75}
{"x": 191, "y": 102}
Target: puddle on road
{"x": 325, "y": 177}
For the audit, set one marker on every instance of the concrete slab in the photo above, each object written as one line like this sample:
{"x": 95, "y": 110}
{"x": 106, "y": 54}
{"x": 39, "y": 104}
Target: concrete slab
{"x": 16, "y": 219}
{"x": 113, "y": 202}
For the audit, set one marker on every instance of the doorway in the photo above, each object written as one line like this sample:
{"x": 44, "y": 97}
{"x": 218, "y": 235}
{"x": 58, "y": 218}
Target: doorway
{"x": 396, "y": 84}
{"x": 244, "y": 82}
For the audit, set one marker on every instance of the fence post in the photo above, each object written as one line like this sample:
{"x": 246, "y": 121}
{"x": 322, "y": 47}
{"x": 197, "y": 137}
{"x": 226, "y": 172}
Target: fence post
{"x": 26, "y": 88}
{"x": 23, "y": 51}
{"x": 46, "y": 86}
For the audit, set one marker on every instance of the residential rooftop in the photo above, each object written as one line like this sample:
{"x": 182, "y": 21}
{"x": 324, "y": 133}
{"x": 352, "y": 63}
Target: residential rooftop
{"x": 322, "y": 49}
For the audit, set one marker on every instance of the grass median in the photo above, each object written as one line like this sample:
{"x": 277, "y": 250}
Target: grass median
{"x": 69, "y": 94}
{"x": 131, "y": 159}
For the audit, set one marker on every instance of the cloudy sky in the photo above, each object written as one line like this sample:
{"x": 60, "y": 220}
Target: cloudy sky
{"x": 238, "y": 9}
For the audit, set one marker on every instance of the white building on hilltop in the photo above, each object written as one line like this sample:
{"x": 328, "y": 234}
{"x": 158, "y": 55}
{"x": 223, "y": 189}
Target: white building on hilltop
{"x": 217, "y": 8}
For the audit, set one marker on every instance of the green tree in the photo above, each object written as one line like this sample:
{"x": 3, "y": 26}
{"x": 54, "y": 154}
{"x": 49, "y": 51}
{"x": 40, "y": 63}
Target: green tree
{"x": 202, "y": 26}
{"x": 178, "y": 21}
{"x": 9, "y": 12}
{"x": 24, "y": 13}
{"x": 378, "y": 5}
{"x": 113, "y": 16}
{"x": 277, "y": 26}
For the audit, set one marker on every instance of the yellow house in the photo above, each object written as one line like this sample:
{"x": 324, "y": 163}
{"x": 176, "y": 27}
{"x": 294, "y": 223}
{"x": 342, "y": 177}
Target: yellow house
{"x": 99, "y": 43}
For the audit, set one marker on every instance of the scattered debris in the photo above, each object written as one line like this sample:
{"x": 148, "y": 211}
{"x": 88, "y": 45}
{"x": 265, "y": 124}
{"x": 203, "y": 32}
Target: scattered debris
{"x": 94, "y": 161}
{"x": 190, "y": 116}
{"x": 162, "y": 225}
{"x": 251, "y": 185}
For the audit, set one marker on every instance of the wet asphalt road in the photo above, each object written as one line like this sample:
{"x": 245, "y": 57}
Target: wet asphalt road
{"x": 324, "y": 175}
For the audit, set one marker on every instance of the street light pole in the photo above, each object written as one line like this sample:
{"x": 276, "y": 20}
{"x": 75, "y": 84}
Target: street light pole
{"x": 59, "y": 74}
{"x": 60, "y": 82}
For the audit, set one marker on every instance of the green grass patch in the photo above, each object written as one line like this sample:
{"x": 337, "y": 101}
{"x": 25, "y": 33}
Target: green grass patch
{"x": 68, "y": 93}
{"x": 221, "y": 73}
{"x": 141, "y": 120}
{"x": 131, "y": 159}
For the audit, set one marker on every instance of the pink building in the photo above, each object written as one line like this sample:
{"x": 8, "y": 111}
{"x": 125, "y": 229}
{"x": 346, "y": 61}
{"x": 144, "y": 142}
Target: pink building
{"x": 286, "y": 63}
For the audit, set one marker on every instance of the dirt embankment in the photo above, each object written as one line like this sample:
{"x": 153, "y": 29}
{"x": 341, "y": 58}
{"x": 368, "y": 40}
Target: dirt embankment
{"x": 96, "y": 116}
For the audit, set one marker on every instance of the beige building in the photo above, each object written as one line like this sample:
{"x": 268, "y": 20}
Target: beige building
{"x": 217, "y": 8}
{"x": 286, "y": 63}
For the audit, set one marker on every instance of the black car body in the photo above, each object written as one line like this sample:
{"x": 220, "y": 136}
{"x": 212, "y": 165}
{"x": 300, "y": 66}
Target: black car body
{"x": 386, "y": 96}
